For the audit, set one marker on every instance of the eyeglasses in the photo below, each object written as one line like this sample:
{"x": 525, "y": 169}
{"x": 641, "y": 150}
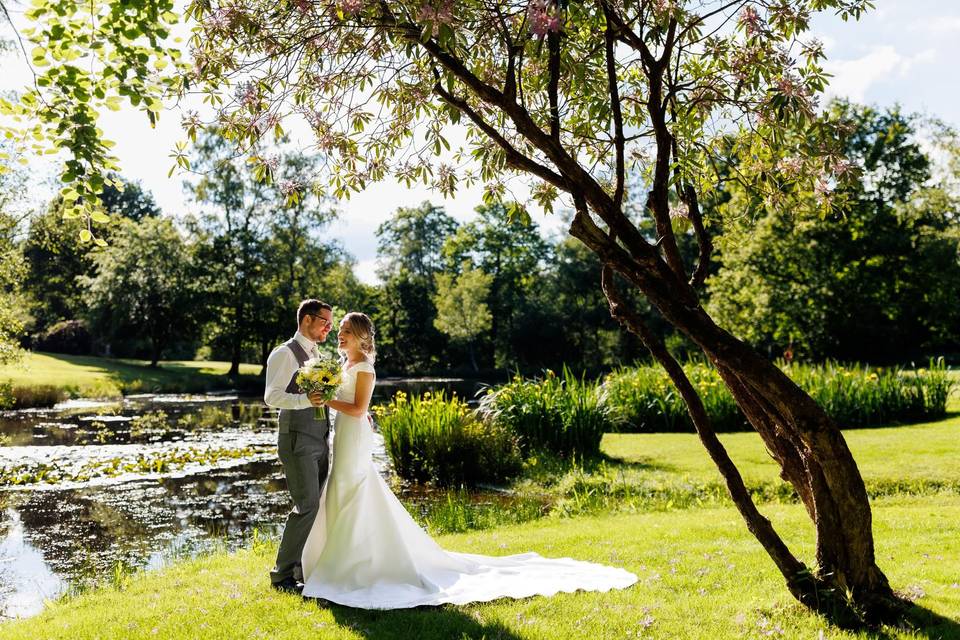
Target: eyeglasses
{"x": 326, "y": 323}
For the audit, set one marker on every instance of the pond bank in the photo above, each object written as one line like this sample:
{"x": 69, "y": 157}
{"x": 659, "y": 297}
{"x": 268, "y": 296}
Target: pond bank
{"x": 44, "y": 379}
{"x": 90, "y": 488}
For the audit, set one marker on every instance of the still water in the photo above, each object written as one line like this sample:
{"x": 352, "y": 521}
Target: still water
{"x": 89, "y": 488}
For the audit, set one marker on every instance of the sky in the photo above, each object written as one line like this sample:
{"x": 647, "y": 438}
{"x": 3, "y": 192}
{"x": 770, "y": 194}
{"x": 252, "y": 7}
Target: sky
{"x": 902, "y": 52}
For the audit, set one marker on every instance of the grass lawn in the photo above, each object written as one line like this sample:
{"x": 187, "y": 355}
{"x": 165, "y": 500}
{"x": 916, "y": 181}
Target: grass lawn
{"x": 921, "y": 452}
{"x": 93, "y": 376}
{"x": 701, "y": 576}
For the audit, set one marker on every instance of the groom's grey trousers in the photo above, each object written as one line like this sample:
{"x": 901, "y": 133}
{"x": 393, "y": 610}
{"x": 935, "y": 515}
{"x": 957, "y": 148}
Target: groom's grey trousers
{"x": 304, "y": 452}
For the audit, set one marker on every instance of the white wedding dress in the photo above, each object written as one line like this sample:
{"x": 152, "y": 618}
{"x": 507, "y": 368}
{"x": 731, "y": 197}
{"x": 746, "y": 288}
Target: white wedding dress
{"x": 366, "y": 551}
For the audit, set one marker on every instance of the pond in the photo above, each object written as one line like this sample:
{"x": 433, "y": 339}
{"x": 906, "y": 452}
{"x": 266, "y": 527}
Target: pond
{"x": 89, "y": 488}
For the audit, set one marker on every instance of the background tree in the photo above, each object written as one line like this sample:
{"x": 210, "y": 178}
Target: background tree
{"x": 298, "y": 263}
{"x": 409, "y": 247}
{"x": 13, "y": 267}
{"x": 144, "y": 285}
{"x": 126, "y": 199}
{"x": 233, "y": 228}
{"x": 581, "y": 323}
{"x": 462, "y": 311}
{"x": 512, "y": 252}
{"x": 866, "y": 283}
{"x": 56, "y": 258}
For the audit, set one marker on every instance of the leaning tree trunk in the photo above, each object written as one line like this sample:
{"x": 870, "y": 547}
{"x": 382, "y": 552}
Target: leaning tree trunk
{"x": 804, "y": 440}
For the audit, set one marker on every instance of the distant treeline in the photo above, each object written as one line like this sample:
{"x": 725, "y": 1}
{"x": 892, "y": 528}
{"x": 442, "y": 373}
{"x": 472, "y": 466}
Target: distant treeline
{"x": 221, "y": 281}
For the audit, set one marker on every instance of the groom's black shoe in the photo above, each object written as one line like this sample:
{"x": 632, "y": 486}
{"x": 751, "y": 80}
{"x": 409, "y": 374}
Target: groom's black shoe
{"x": 289, "y": 585}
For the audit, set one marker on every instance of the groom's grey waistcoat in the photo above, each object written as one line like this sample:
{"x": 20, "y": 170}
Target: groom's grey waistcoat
{"x": 302, "y": 420}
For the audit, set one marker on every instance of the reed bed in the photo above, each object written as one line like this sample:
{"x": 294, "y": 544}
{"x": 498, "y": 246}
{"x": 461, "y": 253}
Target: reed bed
{"x": 563, "y": 415}
{"x": 433, "y": 438}
{"x": 642, "y": 399}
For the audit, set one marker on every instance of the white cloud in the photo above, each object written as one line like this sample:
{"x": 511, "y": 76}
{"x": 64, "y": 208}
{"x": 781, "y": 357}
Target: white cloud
{"x": 938, "y": 25}
{"x": 854, "y": 78}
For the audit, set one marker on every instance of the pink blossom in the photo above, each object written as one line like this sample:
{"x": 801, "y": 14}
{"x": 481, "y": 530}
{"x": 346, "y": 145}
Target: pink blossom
{"x": 750, "y": 20}
{"x": 680, "y": 210}
{"x": 744, "y": 60}
{"x": 265, "y": 122}
{"x": 351, "y": 7}
{"x": 247, "y": 94}
{"x": 544, "y": 18}
{"x": 313, "y": 117}
{"x": 841, "y": 166}
{"x": 223, "y": 18}
{"x": 821, "y": 188}
{"x": 442, "y": 14}
{"x": 272, "y": 162}
{"x": 289, "y": 187}
{"x": 791, "y": 167}
{"x": 789, "y": 86}
{"x": 303, "y": 6}
{"x": 661, "y": 7}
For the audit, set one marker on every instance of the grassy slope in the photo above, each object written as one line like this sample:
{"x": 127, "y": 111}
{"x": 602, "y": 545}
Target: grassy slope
{"x": 79, "y": 373}
{"x": 701, "y": 576}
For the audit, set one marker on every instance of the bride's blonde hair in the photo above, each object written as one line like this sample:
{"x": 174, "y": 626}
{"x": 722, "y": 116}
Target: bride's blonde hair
{"x": 361, "y": 326}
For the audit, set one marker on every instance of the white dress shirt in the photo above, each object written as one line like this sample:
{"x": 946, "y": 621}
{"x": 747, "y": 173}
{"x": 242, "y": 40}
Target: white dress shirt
{"x": 281, "y": 365}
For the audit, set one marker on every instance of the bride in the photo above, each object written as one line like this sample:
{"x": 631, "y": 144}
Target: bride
{"x": 366, "y": 551}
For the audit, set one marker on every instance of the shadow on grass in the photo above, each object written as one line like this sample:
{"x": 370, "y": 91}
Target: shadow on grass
{"x": 923, "y": 623}
{"x": 423, "y": 623}
{"x": 639, "y": 463}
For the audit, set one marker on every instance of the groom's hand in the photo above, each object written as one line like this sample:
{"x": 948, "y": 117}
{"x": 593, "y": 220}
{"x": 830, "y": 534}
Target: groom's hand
{"x": 316, "y": 399}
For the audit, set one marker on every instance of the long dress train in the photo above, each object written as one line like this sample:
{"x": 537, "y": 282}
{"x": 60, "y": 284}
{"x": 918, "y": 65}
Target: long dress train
{"x": 366, "y": 551}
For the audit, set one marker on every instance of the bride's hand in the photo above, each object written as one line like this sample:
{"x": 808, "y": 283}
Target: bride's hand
{"x": 316, "y": 399}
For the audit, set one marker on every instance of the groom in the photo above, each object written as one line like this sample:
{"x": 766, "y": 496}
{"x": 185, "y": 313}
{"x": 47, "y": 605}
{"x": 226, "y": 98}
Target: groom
{"x": 302, "y": 443}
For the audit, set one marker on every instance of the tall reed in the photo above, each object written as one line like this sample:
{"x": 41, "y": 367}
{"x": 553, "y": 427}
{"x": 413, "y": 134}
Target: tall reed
{"x": 439, "y": 439}
{"x": 560, "y": 414}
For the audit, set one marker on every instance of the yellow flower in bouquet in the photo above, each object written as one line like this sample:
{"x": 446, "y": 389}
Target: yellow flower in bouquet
{"x": 319, "y": 375}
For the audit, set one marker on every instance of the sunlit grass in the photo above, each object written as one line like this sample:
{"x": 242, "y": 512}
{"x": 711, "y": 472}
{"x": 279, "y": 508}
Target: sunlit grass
{"x": 668, "y": 472}
{"x": 915, "y": 452}
{"x": 701, "y": 576}
{"x": 44, "y": 378}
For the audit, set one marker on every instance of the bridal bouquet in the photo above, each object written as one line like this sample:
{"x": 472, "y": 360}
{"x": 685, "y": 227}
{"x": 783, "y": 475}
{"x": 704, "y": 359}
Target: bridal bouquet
{"x": 319, "y": 375}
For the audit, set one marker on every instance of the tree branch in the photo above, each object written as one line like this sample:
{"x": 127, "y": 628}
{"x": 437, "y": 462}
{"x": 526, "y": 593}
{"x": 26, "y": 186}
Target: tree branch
{"x": 618, "y": 137}
{"x": 514, "y": 157}
{"x": 704, "y": 242}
